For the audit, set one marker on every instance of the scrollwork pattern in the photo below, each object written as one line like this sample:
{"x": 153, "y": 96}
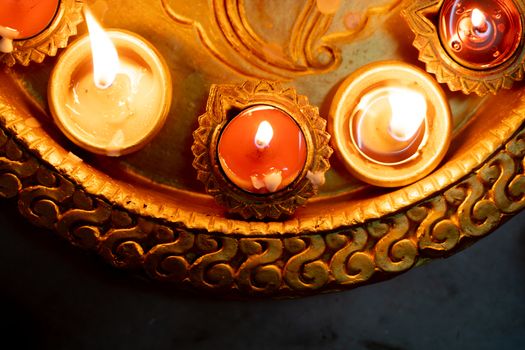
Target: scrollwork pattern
{"x": 436, "y": 233}
{"x": 224, "y": 30}
{"x": 167, "y": 262}
{"x": 395, "y": 251}
{"x": 258, "y": 272}
{"x": 253, "y": 264}
{"x": 212, "y": 269}
{"x": 305, "y": 270}
{"x": 350, "y": 264}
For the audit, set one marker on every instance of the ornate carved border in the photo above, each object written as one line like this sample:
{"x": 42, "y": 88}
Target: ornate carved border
{"x": 268, "y": 265}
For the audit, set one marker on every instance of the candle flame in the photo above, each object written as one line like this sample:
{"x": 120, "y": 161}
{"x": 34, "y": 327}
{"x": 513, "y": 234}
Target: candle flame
{"x": 106, "y": 63}
{"x": 478, "y": 18}
{"x": 264, "y": 135}
{"x": 409, "y": 110}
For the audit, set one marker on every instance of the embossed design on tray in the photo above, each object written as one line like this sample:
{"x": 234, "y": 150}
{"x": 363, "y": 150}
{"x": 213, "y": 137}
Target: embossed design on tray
{"x": 363, "y": 21}
{"x": 17, "y": 120}
{"x": 47, "y": 43}
{"x": 285, "y": 265}
{"x": 311, "y": 49}
{"x": 464, "y": 200}
{"x": 437, "y": 60}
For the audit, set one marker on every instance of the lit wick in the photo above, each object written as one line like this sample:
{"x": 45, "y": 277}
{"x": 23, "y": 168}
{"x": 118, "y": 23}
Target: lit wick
{"x": 106, "y": 64}
{"x": 111, "y": 81}
{"x": 406, "y": 122}
{"x": 388, "y": 124}
{"x": 479, "y": 21}
{"x": 108, "y": 103}
{"x": 264, "y": 135}
{"x": 262, "y": 149}
{"x": 7, "y": 36}
{"x": 272, "y": 180}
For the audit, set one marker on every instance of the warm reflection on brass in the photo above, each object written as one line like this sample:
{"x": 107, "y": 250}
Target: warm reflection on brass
{"x": 146, "y": 212}
{"x": 259, "y": 263}
{"x": 435, "y": 131}
{"x": 227, "y": 99}
{"x": 309, "y": 48}
{"x": 423, "y": 17}
{"x": 47, "y": 43}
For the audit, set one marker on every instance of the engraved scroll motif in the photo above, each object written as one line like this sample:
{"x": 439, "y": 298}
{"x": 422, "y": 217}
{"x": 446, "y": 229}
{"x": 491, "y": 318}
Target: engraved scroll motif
{"x": 305, "y": 270}
{"x": 224, "y": 30}
{"x": 259, "y": 272}
{"x": 257, "y": 265}
{"x": 349, "y": 264}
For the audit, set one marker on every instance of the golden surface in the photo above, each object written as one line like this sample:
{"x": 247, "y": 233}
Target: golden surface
{"x": 421, "y": 16}
{"x": 147, "y": 211}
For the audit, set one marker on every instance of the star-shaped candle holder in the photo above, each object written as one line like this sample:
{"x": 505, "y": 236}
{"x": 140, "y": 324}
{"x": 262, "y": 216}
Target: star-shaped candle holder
{"x": 31, "y": 31}
{"x": 475, "y": 46}
{"x": 261, "y": 149}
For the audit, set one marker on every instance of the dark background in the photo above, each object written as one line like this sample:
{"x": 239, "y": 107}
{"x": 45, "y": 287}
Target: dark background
{"x": 58, "y": 297}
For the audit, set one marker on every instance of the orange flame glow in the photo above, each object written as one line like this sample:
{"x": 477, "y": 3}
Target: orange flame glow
{"x": 106, "y": 63}
{"x": 478, "y": 18}
{"x": 409, "y": 110}
{"x": 264, "y": 135}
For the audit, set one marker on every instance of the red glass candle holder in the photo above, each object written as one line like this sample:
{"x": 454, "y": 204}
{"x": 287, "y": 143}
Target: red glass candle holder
{"x": 261, "y": 150}
{"x": 31, "y": 30}
{"x": 480, "y": 34}
{"x": 27, "y": 17}
{"x": 475, "y": 46}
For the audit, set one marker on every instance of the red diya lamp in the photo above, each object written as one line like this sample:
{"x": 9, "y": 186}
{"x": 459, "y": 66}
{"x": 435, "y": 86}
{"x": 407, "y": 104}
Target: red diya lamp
{"x": 261, "y": 150}
{"x": 30, "y": 30}
{"x": 26, "y": 18}
{"x": 471, "y": 45}
{"x": 480, "y": 34}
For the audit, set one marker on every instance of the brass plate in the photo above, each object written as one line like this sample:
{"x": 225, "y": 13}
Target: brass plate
{"x": 147, "y": 211}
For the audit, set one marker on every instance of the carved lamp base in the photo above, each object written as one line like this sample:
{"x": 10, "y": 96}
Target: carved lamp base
{"x": 225, "y": 102}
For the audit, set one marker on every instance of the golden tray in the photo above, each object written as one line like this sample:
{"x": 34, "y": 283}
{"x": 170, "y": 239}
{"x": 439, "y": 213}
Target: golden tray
{"x": 147, "y": 211}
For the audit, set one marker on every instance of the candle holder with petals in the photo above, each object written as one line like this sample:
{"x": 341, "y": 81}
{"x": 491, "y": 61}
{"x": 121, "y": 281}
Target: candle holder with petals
{"x": 277, "y": 172}
{"x": 33, "y": 44}
{"x": 473, "y": 46}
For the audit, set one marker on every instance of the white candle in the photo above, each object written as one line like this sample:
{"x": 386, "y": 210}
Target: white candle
{"x": 110, "y": 92}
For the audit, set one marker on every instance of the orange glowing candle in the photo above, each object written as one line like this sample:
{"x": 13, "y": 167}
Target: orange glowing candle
{"x": 27, "y": 17}
{"x": 480, "y": 34}
{"x": 262, "y": 149}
